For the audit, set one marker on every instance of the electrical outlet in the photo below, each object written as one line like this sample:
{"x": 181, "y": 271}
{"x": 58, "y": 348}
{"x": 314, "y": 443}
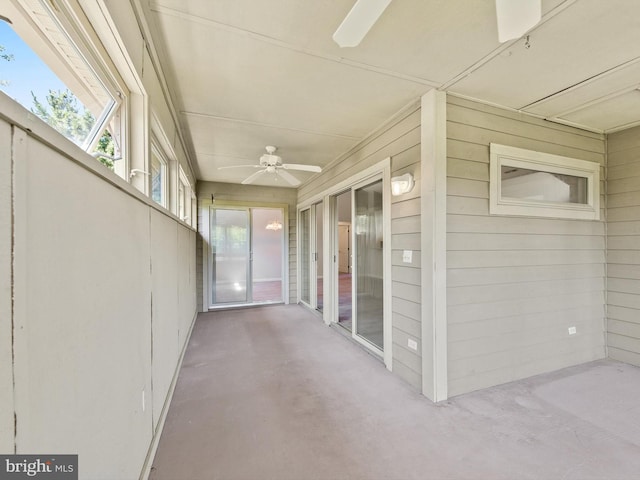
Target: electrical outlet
{"x": 572, "y": 330}
{"x": 412, "y": 344}
{"x": 407, "y": 256}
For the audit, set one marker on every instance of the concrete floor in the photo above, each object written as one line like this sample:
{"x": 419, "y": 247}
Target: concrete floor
{"x": 272, "y": 393}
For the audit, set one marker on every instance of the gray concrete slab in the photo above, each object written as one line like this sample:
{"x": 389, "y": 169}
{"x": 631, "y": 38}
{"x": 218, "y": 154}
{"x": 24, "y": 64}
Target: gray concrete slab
{"x": 272, "y": 393}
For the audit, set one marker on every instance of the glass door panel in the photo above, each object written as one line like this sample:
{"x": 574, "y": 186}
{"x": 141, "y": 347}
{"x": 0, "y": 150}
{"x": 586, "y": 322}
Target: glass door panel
{"x": 369, "y": 262}
{"x": 318, "y": 257}
{"x": 230, "y": 255}
{"x": 266, "y": 254}
{"x": 305, "y": 255}
{"x": 342, "y": 226}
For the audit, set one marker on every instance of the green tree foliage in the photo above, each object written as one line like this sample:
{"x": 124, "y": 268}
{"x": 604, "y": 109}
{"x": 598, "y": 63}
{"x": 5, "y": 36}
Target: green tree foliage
{"x": 64, "y": 112}
{"x": 8, "y": 57}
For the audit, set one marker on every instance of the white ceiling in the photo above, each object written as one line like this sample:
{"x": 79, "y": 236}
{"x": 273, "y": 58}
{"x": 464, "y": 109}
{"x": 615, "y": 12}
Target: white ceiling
{"x": 249, "y": 73}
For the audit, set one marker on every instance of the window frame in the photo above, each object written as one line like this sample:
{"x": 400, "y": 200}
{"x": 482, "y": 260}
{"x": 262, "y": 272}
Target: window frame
{"x": 184, "y": 197}
{"x": 71, "y": 22}
{"x": 503, "y": 155}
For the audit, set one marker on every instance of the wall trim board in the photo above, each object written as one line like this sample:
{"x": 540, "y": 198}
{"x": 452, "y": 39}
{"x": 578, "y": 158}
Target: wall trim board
{"x": 157, "y": 434}
{"x": 434, "y": 245}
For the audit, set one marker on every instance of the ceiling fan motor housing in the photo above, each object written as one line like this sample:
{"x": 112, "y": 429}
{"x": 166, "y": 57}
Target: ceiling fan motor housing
{"x": 270, "y": 160}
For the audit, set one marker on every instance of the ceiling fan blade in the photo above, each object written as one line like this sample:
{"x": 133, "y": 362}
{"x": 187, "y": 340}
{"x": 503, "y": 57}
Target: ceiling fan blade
{"x": 240, "y": 166}
{"x": 359, "y": 21}
{"x": 305, "y": 168}
{"x": 288, "y": 177}
{"x": 515, "y": 18}
{"x": 252, "y": 177}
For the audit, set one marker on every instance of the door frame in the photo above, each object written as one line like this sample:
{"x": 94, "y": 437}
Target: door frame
{"x": 313, "y": 252}
{"x": 354, "y": 265}
{"x": 382, "y": 170}
{"x": 205, "y": 222}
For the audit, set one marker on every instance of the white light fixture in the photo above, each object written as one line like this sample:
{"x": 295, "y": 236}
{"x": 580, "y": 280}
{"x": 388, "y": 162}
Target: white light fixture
{"x": 359, "y": 21}
{"x": 275, "y": 225}
{"x": 402, "y": 184}
{"x": 516, "y": 17}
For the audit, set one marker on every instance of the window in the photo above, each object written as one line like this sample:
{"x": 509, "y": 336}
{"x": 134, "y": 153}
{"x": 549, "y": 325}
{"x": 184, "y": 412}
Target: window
{"x": 158, "y": 177}
{"x": 74, "y": 91}
{"x": 184, "y": 197}
{"x": 524, "y": 182}
{"x": 181, "y": 191}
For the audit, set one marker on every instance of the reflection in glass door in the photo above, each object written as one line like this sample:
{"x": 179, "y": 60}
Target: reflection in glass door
{"x": 369, "y": 285}
{"x": 266, "y": 255}
{"x": 230, "y": 251}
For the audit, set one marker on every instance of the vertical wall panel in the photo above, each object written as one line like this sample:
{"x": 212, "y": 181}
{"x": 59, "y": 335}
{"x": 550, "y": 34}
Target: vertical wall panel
{"x": 623, "y": 242}
{"x": 515, "y": 284}
{"x": 83, "y": 329}
{"x": 164, "y": 306}
{"x": 6, "y": 314}
{"x": 85, "y": 347}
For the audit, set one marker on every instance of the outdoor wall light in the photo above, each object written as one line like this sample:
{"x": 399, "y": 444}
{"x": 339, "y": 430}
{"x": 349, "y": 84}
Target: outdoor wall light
{"x": 402, "y": 184}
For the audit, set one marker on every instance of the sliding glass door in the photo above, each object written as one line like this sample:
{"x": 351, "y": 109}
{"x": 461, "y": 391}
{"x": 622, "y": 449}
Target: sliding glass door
{"x": 247, "y": 255}
{"x": 345, "y": 254}
{"x": 304, "y": 228}
{"x": 342, "y": 254}
{"x": 311, "y": 256}
{"x": 230, "y": 255}
{"x": 369, "y": 285}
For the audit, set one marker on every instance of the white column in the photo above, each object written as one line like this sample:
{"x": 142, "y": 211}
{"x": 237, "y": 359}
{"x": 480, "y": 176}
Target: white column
{"x": 434, "y": 247}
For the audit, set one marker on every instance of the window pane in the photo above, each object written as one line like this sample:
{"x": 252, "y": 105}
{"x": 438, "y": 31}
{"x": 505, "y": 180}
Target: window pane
{"x": 181, "y": 200}
{"x": 65, "y": 91}
{"x": 540, "y": 186}
{"x": 157, "y": 180}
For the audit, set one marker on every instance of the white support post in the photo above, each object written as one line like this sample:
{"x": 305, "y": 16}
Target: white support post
{"x": 434, "y": 246}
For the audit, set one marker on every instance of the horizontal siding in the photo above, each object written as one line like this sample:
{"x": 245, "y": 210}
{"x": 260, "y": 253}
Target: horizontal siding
{"x": 406, "y": 277}
{"x": 516, "y": 284}
{"x": 623, "y": 246}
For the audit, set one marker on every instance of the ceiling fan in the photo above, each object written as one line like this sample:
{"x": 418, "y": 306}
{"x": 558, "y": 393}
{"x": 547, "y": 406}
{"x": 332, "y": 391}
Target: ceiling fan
{"x": 514, "y": 18}
{"x": 271, "y": 163}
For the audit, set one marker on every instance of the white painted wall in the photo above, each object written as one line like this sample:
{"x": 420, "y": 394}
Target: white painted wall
{"x": 104, "y": 288}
